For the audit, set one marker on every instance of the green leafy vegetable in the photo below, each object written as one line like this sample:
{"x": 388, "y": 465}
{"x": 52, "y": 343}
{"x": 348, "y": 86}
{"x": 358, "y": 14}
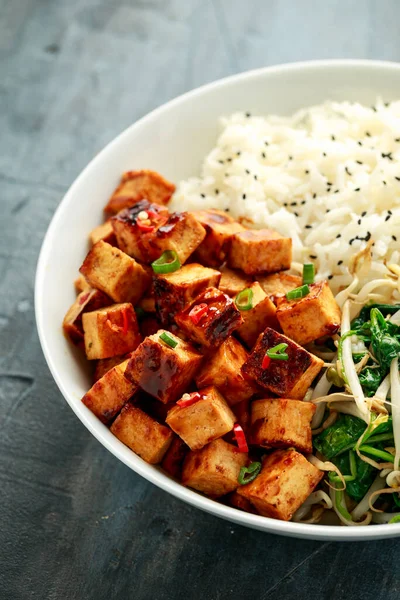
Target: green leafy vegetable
{"x": 358, "y": 487}
{"x": 385, "y": 345}
{"x": 370, "y": 379}
{"x": 364, "y": 315}
{"x": 341, "y": 436}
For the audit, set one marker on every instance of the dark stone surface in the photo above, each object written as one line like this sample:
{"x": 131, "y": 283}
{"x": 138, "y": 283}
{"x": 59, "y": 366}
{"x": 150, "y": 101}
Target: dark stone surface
{"x": 74, "y": 522}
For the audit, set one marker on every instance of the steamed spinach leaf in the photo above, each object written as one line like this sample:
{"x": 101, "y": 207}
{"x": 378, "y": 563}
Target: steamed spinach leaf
{"x": 370, "y": 378}
{"x": 385, "y": 344}
{"x": 365, "y": 475}
{"x": 340, "y": 436}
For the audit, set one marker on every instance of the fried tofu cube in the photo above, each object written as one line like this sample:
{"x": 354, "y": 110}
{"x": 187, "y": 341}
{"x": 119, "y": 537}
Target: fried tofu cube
{"x": 142, "y": 434}
{"x": 240, "y": 502}
{"x": 103, "y": 365}
{"x": 262, "y": 314}
{"x": 115, "y": 273}
{"x": 232, "y": 282}
{"x": 204, "y": 421}
{"x": 86, "y": 302}
{"x": 278, "y": 284}
{"x": 285, "y": 481}
{"x": 179, "y": 232}
{"x": 214, "y": 470}
{"x": 312, "y": 317}
{"x": 219, "y": 227}
{"x": 173, "y": 460}
{"x": 139, "y": 185}
{"x": 260, "y": 251}
{"x": 103, "y": 232}
{"x": 81, "y": 285}
{"x": 135, "y": 234}
{"x": 282, "y": 423}
{"x": 162, "y": 371}
{"x": 286, "y": 378}
{"x": 110, "y": 393}
{"x": 210, "y": 318}
{"x": 110, "y": 331}
{"x": 222, "y": 369}
{"x": 173, "y": 291}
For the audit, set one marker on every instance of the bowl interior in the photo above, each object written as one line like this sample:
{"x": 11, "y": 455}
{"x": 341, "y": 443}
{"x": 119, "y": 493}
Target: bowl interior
{"x": 173, "y": 140}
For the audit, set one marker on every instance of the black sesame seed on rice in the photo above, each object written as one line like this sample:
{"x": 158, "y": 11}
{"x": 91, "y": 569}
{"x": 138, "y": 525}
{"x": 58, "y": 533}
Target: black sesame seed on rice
{"x": 221, "y": 162}
{"x": 394, "y": 238}
{"x": 387, "y": 217}
{"x": 248, "y": 172}
{"x": 387, "y": 155}
{"x": 248, "y": 114}
{"x": 216, "y": 191}
{"x": 384, "y": 182}
{"x": 203, "y": 195}
{"x": 359, "y": 162}
{"x": 359, "y": 222}
{"x": 238, "y": 153}
{"x": 313, "y": 256}
{"x": 314, "y": 196}
{"x": 307, "y": 226}
{"x": 338, "y": 235}
{"x": 303, "y": 202}
{"x": 293, "y": 204}
{"x": 244, "y": 196}
{"x": 367, "y": 133}
{"x": 357, "y": 189}
{"x": 263, "y": 155}
{"x": 348, "y": 172}
{"x": 330, "y": 276}
{"x": 306, "y": 171}
{"x": 363, "y": 213}
{"x": 333, "y": 138}
{"x": 359, "y": 143}
{"x": 255, "y": 177}
{"x": 340, "y": 262}
{"x": 296, "y": 214}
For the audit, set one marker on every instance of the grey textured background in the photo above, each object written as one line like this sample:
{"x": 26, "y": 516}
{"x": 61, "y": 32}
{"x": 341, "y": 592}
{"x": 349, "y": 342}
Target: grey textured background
{"x": 74, "y": 522}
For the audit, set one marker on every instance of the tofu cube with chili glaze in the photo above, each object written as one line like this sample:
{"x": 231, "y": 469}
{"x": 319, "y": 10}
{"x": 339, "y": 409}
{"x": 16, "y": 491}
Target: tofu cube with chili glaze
{"x": 214, "y": 470}
{"x": 182, "y": 234}
{"x": 142, "y": 434}
{"x": 289, "y": 378}
{"x": 81, "y": 285}
{"x": 173, "y": 291}
{"x": 285, "y": 481}
{"x": 282, "y": 423}
{"x": 134, "y": 228}
{"x": 103, "y": 365}
{"x": 219, "y": 227}
{"x": 210, "y": 318}
{"x": 86, "y": 302}
{"x": 173, "y": 460}
{"x": 311, "y": 317}
{"x": 241, "y": 503}
{"x": 139, "y": 185}
{"x": 110, "y": 393}
{"x": 110, "y": 331}
{"x": 163, "y": 371}
{"x": 103, "y": 232}
{"x": 206, "y": 419}
{"x": 232, "y": 282}
{"x": 278, "y": 284}
{"x": 260, "y": 251}
{"x": 258, "y": 312}
{"x": 115, "y": 273}
{"x": 222, "y": 369}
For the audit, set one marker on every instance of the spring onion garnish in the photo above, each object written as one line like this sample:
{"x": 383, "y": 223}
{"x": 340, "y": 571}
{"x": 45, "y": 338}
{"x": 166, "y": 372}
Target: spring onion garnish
{"x": 244, "y": 299}
{"x": 167, "y": 263}
{"x": 249, "y": 473}
{"x": 299, "y": 292}
{"x": 240, "y": 438}
{"x": 278, "y": 352}
{"x": 168, "y": 339}
{"x": 308, "y": 273}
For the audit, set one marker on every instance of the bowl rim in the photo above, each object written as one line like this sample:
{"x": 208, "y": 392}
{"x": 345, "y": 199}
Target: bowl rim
{"x": 156, "y": 476}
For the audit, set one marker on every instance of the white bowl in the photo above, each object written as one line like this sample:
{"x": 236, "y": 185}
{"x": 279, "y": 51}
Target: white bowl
{"x": 173, "y": 140}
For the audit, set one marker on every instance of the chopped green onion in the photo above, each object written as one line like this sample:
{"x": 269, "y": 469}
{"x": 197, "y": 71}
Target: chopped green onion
{"x": 395, "y": 519}
{"x": 249, "y": 473}
{"x": 382, "y": 437}
{"x": 377, "y": 453}
{"x": 308, "y": 273}
{"x": 299, "y": 292}
{"x": 277, "y": 352}
{"x": 168, "y": 339}
{"x": 167, "y": 263}
{"x": 244, "y": 299}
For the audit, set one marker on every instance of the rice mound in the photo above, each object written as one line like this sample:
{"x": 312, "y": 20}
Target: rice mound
{"x": 328, "y": 177}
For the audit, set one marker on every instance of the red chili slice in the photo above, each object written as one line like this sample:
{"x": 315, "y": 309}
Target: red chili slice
{"x": 240, "y": 438}
{"x": 266, "y": 362}
{"x": 125, "y": 320}
{"x": 143, "y": 227}
{"x": 84, "y": 298}
{"x": 189, "y": 399}
{"x": 197, "y": 312}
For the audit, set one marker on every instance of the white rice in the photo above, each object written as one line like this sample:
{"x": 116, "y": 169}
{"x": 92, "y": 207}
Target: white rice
{"x": 326, "y": 177}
